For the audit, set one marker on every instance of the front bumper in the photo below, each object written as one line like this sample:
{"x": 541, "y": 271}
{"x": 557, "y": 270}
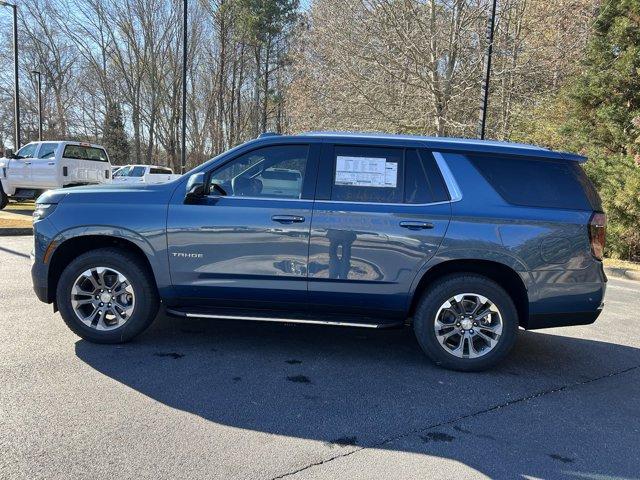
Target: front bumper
{"x": 43, "y": 233}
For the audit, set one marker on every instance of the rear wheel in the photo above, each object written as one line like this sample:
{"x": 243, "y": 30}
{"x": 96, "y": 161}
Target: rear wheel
{"x": 466, "y": 322}
{"x": 107, "y": 296}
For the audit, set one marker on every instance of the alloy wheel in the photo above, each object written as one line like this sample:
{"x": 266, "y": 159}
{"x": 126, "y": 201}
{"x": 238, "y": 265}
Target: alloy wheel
{"x": 468, "y": 325}
{"x": 102, "y": 298}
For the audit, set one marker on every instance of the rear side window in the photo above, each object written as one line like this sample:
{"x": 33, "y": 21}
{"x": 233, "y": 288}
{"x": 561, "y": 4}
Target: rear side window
{"x": 423, "y": 181}
{"x": 163, "y": 171}
{"x": 368, "y": 174}
{"x": 48, "y": 150}
{"x": 537, "y": 183}
{"x": 82, "y": 152}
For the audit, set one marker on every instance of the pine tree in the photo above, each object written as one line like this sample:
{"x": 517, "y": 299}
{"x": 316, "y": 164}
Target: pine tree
{"x": 606, "y": 120}
{"x": 114, "y": 137}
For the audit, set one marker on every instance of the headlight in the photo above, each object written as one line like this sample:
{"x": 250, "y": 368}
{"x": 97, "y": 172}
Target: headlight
{"x": 43, "y": 210}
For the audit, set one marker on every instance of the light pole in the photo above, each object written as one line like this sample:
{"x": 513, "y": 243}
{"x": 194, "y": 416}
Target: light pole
{"x": 487, "y": 72}
{"x": 39, "y": 81}
{"x": 183, "y": 155}
{"x": 16, "y": 139}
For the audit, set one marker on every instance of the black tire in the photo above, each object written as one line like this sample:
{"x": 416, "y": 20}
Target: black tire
{"x": 446, "y": 288}
{"x": 4, "y": 199}
{"x": 146, "y": 296}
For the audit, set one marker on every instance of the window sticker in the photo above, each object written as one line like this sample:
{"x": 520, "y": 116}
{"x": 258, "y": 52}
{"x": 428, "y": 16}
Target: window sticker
{"x": 366, "y": 172}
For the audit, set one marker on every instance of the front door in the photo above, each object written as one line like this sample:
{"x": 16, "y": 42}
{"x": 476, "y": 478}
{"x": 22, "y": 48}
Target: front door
{"x": 246, "y": 243}
{"x": 380, "y": 214}
{"x": 20, "y": 168}
{"x": 44, "y": 169}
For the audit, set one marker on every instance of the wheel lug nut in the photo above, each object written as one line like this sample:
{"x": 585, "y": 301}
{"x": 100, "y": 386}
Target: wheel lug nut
{"x": 471, "y": 331}
{"x": 101, "y": 304}
{"x": 475, "y": 324}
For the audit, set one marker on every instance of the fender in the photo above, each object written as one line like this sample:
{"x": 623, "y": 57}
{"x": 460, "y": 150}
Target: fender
{"x": 157, "y": 256}
{"x": 501, "y": 257}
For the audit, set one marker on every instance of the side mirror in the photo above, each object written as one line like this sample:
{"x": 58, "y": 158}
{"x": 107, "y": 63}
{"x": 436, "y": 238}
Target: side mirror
{"x": 8, "y": 153}
{"x": 195, "y": 188}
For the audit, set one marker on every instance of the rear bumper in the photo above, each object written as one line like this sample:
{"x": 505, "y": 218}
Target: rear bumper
{"x": 578, "y": 299}
{"x": 550, "y": 320}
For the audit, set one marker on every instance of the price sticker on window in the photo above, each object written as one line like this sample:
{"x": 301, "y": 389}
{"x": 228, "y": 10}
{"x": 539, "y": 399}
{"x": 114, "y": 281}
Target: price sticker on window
{"x": 366, "y": 172}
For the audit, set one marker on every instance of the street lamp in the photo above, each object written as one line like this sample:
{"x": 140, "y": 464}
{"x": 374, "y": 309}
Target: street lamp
{"x": 39, "y": 86}
{"x": 15, "y": 72}
{"x": 183, "y": 156}
{"x": 487, "y": 72}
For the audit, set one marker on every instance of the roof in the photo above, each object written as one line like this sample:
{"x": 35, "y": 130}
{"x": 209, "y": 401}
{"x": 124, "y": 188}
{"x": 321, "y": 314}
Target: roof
{"x": 443, "y": 143}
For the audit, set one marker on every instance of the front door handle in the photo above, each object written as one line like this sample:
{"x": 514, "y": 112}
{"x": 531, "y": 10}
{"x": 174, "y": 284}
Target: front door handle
{"x": 287, "y": 218}
{"x": 417, "y": 225}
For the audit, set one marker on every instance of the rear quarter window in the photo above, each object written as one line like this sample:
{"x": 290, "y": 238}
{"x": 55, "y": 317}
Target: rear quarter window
{"x": 538, "y": 182}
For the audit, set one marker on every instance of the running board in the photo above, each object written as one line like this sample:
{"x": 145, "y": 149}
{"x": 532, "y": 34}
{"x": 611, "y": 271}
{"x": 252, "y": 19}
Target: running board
{"x": 310, "y": 321}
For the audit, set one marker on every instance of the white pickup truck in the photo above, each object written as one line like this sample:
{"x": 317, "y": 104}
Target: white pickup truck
{"x": 143, "y": 174}
{"x": 40, "y": 166}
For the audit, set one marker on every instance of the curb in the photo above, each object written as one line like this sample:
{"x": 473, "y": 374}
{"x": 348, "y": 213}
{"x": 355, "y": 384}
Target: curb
{"x": 14, "y": 232}
{"x": 622, "y": 273}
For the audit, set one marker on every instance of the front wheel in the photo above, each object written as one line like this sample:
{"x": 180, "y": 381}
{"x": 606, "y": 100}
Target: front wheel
{"x": 466, "y": 322}
{"x": 107, "y": 296}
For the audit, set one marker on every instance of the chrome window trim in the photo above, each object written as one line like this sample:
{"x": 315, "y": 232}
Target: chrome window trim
{"x": 385, "y": 203}
{"x": 454, "y": 190}
{"x": 277, "y": 199}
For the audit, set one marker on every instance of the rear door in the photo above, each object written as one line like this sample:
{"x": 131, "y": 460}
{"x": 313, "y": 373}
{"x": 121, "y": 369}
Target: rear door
{"x": 380, "y": 214}
{"x": 44, "y": 167}
{"x": 248, "y": 247}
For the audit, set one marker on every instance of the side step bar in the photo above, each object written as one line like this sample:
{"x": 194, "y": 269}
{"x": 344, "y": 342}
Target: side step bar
{"x": 180, "y": 313}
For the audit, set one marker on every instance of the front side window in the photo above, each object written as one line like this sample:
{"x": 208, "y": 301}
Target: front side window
{"x": 48, "y": 150}
{"x": 270, "y": 172}
{"x": 368, "y": 174}
{"x": 28, "y": 151}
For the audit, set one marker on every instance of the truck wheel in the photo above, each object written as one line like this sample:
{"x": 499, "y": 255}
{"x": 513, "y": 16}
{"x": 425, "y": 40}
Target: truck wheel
{"x": 4, "y": 199}
{"x": 466, "y": 322}
{"x": 107, "y": 296}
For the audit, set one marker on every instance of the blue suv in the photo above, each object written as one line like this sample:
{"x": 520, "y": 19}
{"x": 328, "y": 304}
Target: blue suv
{"x": 464, "y": 240}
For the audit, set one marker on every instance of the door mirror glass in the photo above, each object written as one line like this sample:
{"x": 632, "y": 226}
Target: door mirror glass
{"x": 195, "y": 188}
{"x": 8, "y": 153}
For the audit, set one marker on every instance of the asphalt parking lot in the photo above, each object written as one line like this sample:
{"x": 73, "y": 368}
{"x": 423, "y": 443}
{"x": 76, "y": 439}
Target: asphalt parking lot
{"x": 205, "y": 399}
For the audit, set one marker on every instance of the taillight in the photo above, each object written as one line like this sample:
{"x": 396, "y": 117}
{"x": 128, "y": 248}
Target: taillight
{"x": 597, "y": 233}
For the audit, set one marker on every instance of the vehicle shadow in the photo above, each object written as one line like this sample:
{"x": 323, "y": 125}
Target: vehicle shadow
{"x": 356, "y": 388}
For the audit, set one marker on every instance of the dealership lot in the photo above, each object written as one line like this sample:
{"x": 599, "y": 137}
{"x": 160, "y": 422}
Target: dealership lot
{"x": 196, "y": 399}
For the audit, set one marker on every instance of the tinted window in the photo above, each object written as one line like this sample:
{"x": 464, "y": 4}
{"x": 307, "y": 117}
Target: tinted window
{"x": 163, "y": 171}
{"x": 270, "y": 172}
{"x": 28, "y": 151}
{"x": 82, "y": 152}
{"x": 423, "y": 181}
{"x": 368, "y": 174}
{"x": 48, "y": 150}
{"x": 535, "y": 183}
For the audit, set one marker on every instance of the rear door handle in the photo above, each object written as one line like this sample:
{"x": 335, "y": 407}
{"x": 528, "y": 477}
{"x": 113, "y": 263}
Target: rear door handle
{"x": 51, "y": 163}
{"x": 287, "y": 218}
{"x": 417, "y": 225}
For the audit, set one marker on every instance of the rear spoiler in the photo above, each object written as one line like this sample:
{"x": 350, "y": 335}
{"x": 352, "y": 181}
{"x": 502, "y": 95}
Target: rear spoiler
{"x": 574, "y": 157}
